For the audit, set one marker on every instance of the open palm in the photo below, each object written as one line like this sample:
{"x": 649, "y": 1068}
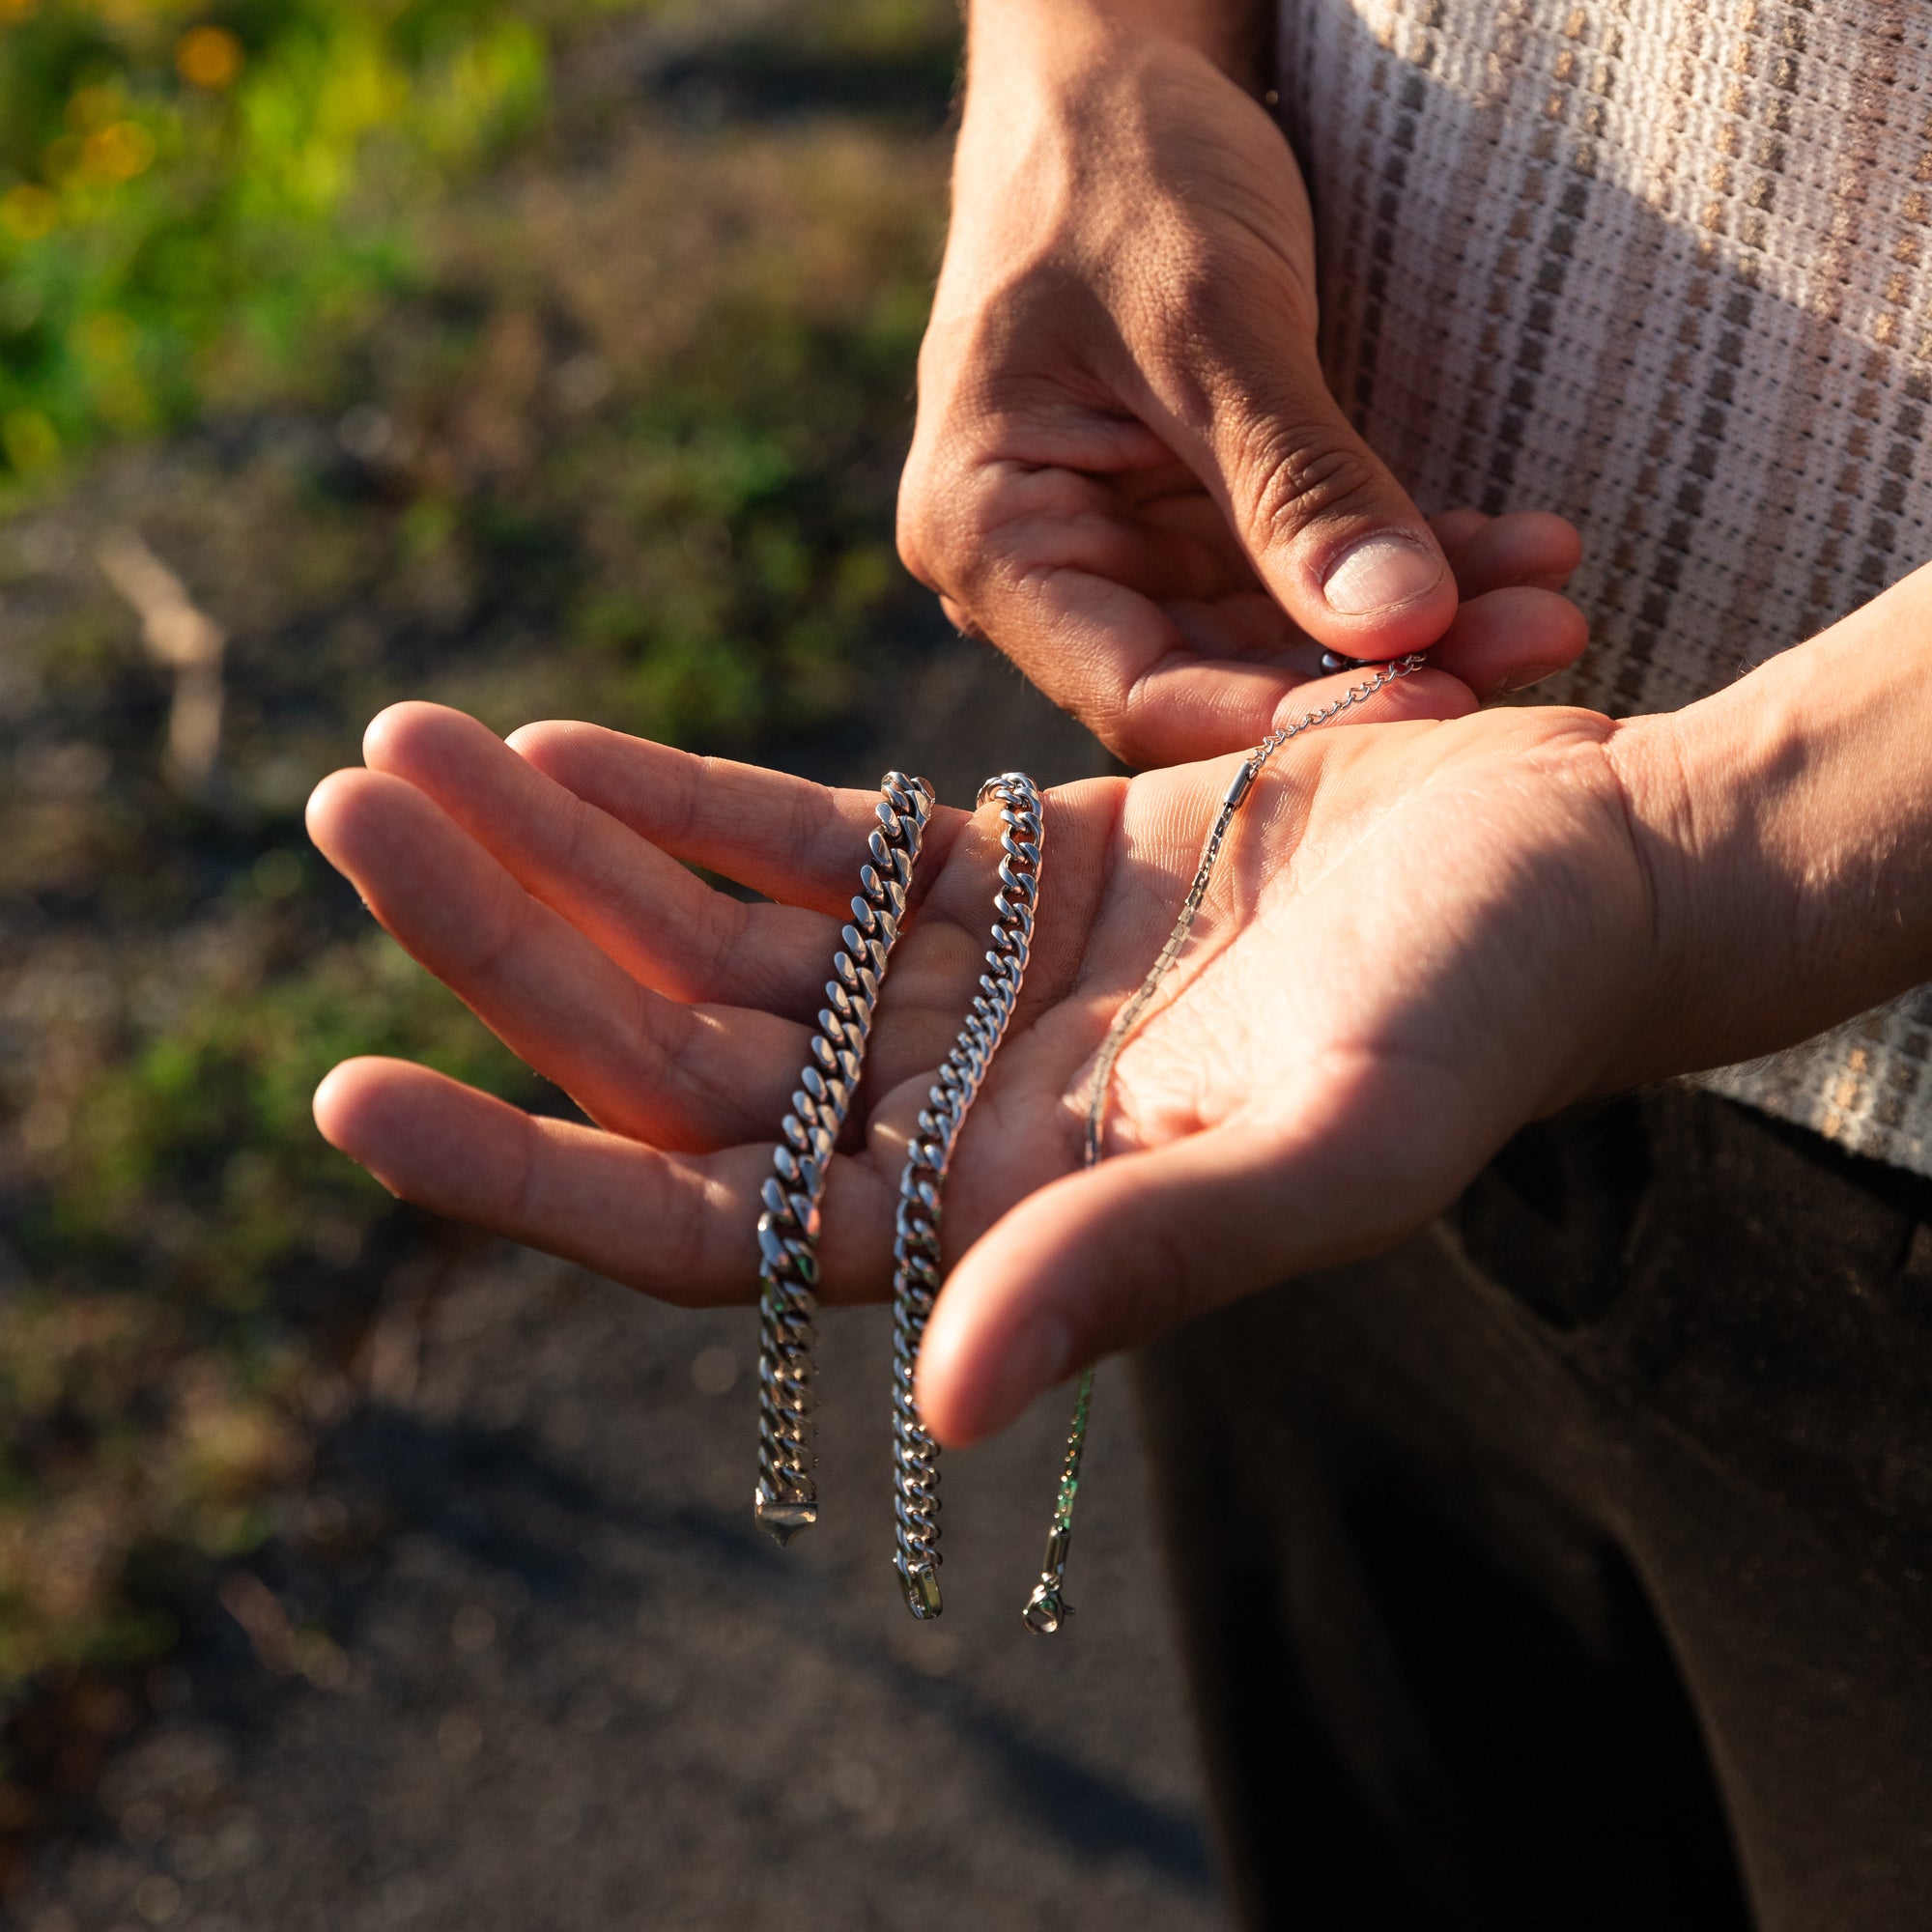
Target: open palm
{"x": 1422, "y": 934}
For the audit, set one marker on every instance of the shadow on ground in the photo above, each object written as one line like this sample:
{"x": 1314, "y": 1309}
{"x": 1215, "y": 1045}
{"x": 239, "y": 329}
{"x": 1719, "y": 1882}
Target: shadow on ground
{"x": 576, "y": 1690}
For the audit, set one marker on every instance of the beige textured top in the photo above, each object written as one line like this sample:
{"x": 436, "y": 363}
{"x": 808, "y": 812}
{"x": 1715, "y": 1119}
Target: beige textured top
{"x": 1655, "y": 263}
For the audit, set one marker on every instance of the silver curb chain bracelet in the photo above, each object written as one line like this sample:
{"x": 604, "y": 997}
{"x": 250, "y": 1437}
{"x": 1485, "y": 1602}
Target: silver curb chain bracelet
{"x": 786, "y": 1498}
{"x": 928, "y": 1155}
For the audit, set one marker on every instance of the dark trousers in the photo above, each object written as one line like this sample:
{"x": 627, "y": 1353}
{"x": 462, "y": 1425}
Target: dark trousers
{"x": 1572, "y": 1567}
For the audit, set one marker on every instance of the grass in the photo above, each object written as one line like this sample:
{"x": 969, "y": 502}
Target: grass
{"x": 190, "y": 202}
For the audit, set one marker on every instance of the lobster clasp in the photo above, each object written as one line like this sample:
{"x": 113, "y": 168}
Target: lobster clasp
{"x": 1046, "y": 1610}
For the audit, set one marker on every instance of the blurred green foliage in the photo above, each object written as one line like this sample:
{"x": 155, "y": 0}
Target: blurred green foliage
{"x": 544, "y": 360}
{"x": 189, "y": 197}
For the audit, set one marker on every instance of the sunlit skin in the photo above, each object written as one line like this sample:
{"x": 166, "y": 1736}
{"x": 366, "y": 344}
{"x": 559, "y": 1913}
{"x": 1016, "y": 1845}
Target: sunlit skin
{"x": 1429, "y": 929}
{"x": 1129, "y": 473}
{"x": 544, "y": 886}
{"x": 1432, "y": 925}
{"x": 1128, "y": 533}
{"x": 1128, "y": 470}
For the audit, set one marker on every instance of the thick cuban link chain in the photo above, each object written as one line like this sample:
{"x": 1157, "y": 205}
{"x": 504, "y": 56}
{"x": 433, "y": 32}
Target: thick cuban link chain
{"x": 1047, "y": 1610}
{"x": 928, "y": 1156}
{"x": 786, "y": 1498}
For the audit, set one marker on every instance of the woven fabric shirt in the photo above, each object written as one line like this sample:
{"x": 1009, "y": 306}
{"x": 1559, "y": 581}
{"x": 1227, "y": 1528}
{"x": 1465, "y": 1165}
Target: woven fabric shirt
{"x": 1657, "y": 265}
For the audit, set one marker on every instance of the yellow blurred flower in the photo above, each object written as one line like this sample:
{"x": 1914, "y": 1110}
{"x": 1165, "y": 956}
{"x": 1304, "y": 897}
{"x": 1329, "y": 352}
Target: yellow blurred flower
{"x": 118, "y": 152}
{"x": 28, "y": 211}
{"x": 17, "y": 10}
{"x": 208, "y": 57}
{"x": 29, "y": 439}
{"x": 107, "y": 337}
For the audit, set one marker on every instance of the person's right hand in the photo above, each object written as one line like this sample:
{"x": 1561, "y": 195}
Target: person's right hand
{"x": 1128, "y": 472}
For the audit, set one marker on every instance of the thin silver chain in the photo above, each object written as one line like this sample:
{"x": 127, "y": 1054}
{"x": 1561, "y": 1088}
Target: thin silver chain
{"x": 786, "y": 1498}
{"x": 1048, "y": 1608}
{"x": 916, "y": 1277}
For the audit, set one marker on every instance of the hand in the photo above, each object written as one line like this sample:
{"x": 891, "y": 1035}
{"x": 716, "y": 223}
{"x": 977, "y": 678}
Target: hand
{"x": 1425, "y": 931}
{"x": 1128, "y": 470}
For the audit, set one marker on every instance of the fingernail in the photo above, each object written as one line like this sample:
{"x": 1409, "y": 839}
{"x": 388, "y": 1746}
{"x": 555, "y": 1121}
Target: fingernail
{"x": 1379, "y": 573}
{"x": 1038, "y": 1356}
{"x": 1523, "y": 679}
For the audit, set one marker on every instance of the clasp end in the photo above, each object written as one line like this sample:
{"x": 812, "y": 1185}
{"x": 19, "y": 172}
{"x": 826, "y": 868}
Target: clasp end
{"x": 921, "y": 1589}
{"x": 783, "y": 1520}
{"x": 1047, "y": 1611}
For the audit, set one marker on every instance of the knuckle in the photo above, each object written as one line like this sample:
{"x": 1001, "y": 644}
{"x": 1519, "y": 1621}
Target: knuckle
{"x": 915, "y": 546}
{"x": 962, "y": 620}
{"x": 918, "y": 502}
{"x": 1299, "y": 478}
{"x": 927, "y": 529}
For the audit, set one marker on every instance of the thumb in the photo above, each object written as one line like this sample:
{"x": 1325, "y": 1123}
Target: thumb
{"x": 1331, "y": 533}
{"x": 1111, "y": 1256}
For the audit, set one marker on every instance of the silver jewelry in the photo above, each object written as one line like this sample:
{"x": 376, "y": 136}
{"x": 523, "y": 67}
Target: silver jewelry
{"x": 1048, "y": 1608}
{"x": 786, "y": 1497}
{"x": 916, "y": 1277}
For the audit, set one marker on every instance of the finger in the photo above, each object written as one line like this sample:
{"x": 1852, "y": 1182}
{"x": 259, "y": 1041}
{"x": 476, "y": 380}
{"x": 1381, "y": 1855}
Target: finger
{"x": 1184, "y": 710}
{"x": 1128, "y": 670}
{"x": 1453, "y": 529}
{"x": 1486, "y": 552}
{"x": 680, "y": 1228}
{"x": 1524, "y": 548}
{"x": 793, "y": 841}
{"x": 1095, "y": 1260}
{"x": 1508, "y": 639}
{"x": 1053, "y": 565}
{"x": 1185, "y": 547}
{"x": 1245, "y": 625}
{"x": 660, "y": 923}
{"x": 1326, "y": 524}
{"x": 1059, "y": 582}
{"x": 1111, "y": 1257}
{"x": 679, "y": 1076}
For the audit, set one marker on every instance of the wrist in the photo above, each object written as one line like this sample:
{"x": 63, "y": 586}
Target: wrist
{"x": 1785, "y": 828}
{"x": 1077, "y": 126}
{"x": 1064, "y": 44}
{"x": 1080, "y": 115}
{"x": 1696, "y": 914}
